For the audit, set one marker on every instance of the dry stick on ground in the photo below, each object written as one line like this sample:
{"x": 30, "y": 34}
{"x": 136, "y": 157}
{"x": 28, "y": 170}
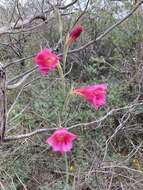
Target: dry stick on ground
{"x": 92, "y": 41}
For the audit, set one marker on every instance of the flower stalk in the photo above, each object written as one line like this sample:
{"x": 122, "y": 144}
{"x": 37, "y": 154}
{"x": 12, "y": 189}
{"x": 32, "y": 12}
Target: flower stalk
{"x": 67, "y": 172}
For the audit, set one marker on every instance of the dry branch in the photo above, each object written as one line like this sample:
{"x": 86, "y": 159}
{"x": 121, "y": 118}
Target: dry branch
{"x": 2, "y": 103}
{"x": 106, "y": 32}
{"x": 21, "y": 24}
{"x": 24, "y": 23}
{"x": 43, "y": 130}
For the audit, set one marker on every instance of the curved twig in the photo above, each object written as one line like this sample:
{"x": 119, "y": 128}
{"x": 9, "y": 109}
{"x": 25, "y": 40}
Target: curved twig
{"x": 43, "y": 130}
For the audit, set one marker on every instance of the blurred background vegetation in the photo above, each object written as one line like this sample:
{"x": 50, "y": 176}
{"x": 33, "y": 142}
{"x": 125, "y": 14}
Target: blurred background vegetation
{"x": 107, "y": 155}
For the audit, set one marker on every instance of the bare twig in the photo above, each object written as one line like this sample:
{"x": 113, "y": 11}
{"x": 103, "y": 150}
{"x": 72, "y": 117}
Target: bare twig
{"x": 106, "y": 32}
{"x": 80, "y": 16}
{"x": 68, "y": 5}
{"x": 19, "y": 83}
{"x": 22, "y": 24}
{"x": 23, "y": 136}
{"x": 3, "y": 106}
{"x": 21, "y": 75}
{"x": 15, "y": 101}
{"x": 43, "y": 130}
{"x": 18, "y": 61}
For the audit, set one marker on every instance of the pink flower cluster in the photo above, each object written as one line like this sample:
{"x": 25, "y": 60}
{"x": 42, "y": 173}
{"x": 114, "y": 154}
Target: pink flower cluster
{"x": 61, "y": 140}
{"x": 46, "y": 60}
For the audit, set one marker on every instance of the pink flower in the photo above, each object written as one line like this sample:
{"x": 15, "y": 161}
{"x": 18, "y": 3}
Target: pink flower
{"x": 95, "y": 94}
{"x": 74, "y": 34}
{"x": 61, "y": 140}
{"x": 46, "y": 60}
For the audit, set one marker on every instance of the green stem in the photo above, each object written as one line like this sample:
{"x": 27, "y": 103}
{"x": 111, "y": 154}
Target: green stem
{"x": 65, "y": 58}
{"x": 61, "y": 72}
{"x": 61, "y": 75}
{"x": 67, "y": 172}
{"x": 67, "y": 100}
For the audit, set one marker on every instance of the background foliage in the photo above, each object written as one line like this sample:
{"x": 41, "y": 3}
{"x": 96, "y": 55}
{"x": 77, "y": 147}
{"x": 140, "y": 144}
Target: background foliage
{"x": 108, "y": 154}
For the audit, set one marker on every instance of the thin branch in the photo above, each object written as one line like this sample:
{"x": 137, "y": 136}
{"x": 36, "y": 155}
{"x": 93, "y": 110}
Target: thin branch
{"x": 43, "y": 130}
{"x": 92, "y": 41}
{"x": 3, "y": 103}
{"x": 80, "y": 16}
{"x": 19, "y": 83}
{"x": 108, "y": 30}
{"x": 21, "y": 75}
{"x": 68, "y": 5}
{"x": 26, "y": 22}
{"x": 23, "y": 136}
{"x": 22, "y": 24}
{"x": 18, "y": 61}
{"x": 15, "y": 101}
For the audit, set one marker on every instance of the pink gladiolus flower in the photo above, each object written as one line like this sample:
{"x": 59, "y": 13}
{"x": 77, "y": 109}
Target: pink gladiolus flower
{"x": 95, "y": 94}
{"x": 74, "y": 34}
{"x": 46, "y": 60}
{"x": 61, "y": 140}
